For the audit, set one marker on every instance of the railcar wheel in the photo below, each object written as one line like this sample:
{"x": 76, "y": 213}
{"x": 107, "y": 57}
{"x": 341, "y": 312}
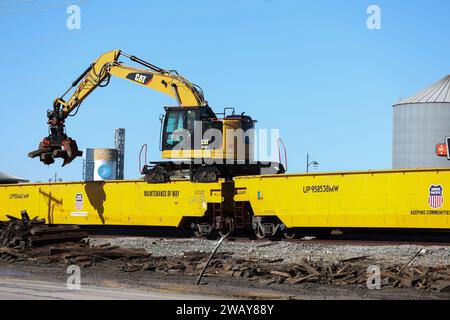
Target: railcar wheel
{"x": 206, "y": 174}
{"x": 202, "y": 229}
{"x": 289, "y": 234}
{"x": 157, "y": 174}
{"x": 228, "y": 228}
{"x": 197, "y": 233}
{"x": 259, "y": 232}
{"x": 224, "y": 233}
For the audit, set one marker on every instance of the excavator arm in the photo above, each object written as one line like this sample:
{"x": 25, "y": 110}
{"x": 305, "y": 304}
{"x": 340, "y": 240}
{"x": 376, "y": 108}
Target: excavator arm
{"x": 98, "y": 74}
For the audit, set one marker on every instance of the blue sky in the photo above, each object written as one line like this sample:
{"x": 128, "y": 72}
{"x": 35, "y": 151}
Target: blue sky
{"x": 309, "y": 68}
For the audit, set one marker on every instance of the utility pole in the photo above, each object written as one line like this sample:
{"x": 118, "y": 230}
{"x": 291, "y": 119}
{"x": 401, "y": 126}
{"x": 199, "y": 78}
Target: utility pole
{"x": 55, "y": 179}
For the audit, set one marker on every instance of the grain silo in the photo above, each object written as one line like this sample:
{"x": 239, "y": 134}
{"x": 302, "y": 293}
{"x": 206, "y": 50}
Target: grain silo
{"x": 420, "y": 123}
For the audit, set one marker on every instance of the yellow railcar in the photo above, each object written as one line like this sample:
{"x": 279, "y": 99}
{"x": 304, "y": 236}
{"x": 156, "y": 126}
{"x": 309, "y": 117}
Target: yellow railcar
{"x": 270, "y": 204}
{"x": 132, "y": 203}
{"x": 405, "y": 199}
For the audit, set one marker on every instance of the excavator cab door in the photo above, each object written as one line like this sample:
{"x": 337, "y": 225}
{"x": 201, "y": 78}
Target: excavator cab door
{"x": 180, "y": 125}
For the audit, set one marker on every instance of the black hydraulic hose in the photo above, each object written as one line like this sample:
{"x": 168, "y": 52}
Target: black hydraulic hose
{"x": 77, "y": 80}
{"x": 82, "y": 76}
{"x": 148, "y": 65}
{"x": 194, "y": 87}
{"x": 76, "y": 111}
{"x": 105, "y": 83}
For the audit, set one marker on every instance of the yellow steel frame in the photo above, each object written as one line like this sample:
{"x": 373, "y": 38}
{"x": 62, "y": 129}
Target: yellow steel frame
{"x": 110, "y": 203}
{"x": 375, "y": 199}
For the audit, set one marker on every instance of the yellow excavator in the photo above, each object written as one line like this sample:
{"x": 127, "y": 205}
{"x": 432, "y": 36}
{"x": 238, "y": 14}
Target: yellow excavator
{"x": 196, "y": 141}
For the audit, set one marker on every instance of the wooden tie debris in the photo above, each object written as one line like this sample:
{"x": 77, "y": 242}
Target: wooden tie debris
{"x": 26, "y": 233}
{"x": 31, "y": 241}
{"x": 349, "y": 272}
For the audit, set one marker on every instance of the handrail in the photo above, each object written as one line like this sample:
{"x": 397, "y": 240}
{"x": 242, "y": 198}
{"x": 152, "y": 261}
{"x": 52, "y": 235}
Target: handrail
{"x": 281, "y": 144}
{"x": 141, "y": 168}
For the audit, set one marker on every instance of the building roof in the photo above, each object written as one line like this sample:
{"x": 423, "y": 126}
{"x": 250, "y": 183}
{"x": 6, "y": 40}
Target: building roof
{"x": 7, "y": 178}
{"x": 437, "y": 93}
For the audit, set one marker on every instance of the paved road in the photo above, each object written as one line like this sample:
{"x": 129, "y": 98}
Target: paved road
{"x": 13, "y": 289}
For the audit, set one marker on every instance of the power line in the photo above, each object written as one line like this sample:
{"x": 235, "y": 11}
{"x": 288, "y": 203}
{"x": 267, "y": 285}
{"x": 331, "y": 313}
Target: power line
{"x": 55, "y": 5}
{"x": 15, "y": 3}
{"x": 7, "y": 3}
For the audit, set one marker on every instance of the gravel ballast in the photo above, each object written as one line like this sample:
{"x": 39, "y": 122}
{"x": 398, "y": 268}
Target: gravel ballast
{"x": 290, "y": 252}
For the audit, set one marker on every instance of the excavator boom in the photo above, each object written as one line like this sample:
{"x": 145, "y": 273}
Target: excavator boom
{"x": 98, "y": 74}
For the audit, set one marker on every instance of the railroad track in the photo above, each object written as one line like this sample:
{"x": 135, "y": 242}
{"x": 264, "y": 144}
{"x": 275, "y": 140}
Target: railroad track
{"x": 374, "y": 243}
{"x": 363, "y": 239}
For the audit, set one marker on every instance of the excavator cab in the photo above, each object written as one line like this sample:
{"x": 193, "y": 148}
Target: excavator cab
{"x": 198, "y": 133}
{"x": 181, "y": 123}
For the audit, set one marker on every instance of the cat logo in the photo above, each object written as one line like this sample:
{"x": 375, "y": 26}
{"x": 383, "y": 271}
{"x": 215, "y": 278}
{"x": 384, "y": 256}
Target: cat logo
{"x": 142, "y": 78}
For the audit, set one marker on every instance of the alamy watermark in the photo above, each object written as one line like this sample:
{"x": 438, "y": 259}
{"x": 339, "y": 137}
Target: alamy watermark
{"x": 374, "y": 278}
{"x": 73, "y": 21}
{"x": 374, "y": 19}
{"x": 228, "y": 145}
{"x": 74, "y": 278}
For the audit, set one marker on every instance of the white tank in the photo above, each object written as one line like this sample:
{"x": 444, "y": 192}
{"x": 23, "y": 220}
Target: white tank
{"x": 100, "y": 164}
{"x": 105, "y": 164}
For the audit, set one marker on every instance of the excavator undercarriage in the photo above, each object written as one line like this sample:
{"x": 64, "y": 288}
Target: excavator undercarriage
{"x": 164, "y": 171}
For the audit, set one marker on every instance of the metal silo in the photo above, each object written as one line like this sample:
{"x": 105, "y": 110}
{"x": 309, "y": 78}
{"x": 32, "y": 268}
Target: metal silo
{"x": 420, "y": 123}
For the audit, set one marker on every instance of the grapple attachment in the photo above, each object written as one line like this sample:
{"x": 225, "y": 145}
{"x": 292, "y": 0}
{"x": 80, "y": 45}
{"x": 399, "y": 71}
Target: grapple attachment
{"x": 47, "y": 152}
{"x": 57, "y": 144}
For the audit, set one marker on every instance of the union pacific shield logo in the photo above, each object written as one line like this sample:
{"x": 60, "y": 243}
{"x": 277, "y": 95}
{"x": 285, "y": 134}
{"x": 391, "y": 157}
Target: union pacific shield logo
{"x": 436, "y": 197}
{"x": 79, "y": 201}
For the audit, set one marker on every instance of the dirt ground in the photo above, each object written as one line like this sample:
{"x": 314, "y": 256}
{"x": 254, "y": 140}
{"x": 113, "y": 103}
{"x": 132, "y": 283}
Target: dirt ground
{"x": 232, "y": 288}
{"x": 120, "y": 274}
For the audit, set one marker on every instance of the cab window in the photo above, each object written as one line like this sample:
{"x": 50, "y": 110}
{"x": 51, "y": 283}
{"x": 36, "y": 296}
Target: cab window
{"x": 174, "y": 122}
